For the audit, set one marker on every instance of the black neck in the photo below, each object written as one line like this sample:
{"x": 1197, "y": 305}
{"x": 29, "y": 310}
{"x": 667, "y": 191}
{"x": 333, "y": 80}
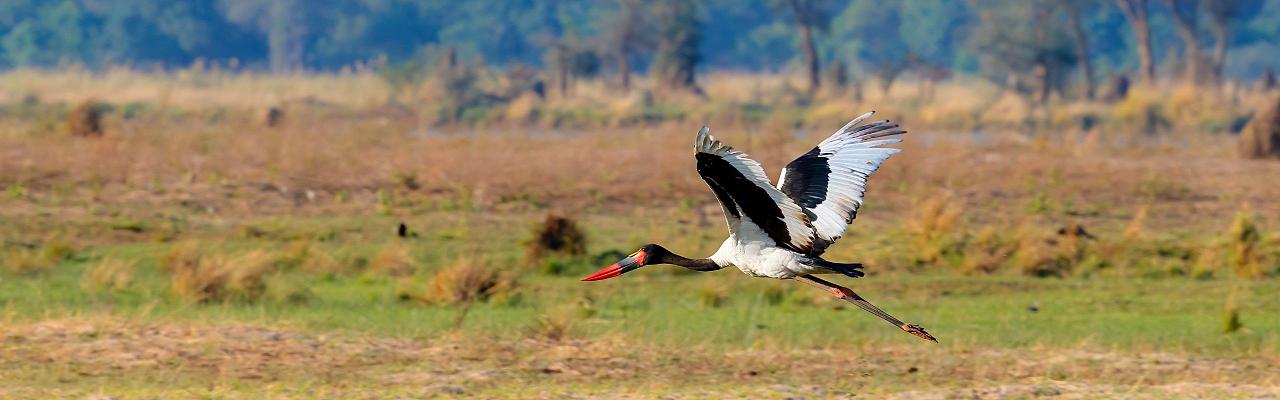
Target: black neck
{"x": 700, "y": 264}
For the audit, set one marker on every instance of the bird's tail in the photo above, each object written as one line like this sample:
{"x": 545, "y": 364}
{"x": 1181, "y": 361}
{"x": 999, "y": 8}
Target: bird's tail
{"x": 852, "y": 270}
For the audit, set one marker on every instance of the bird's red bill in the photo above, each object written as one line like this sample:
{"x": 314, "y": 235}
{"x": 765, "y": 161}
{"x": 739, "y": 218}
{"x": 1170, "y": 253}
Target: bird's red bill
{"x": 633, "y": 261}
{"x": 606, "y": 273}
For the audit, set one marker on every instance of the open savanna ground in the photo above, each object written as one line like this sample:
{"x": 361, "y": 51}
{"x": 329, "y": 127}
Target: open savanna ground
{"x": 196, "y": 250}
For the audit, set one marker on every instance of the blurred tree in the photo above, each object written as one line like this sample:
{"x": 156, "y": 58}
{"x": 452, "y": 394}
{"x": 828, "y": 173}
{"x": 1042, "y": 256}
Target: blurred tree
{"x": 808, "y": 15}
{"x": 931, "y": 35}
{"x": 1074, "y": 10}
{"x": 1222, "y": 13}
{"x": 870, "y": 33}
{"x": 1185, "y": 14}
{"x": 1024, "y": 47}
{"x": 1135, "y": 11}
{"x": 44, "y": 33}
{"x": 284, "y": 22}
{"x": 674, "y": 65}
{"x": 874, "y": 38}
{"x": 624, "y": 32}
{"x": 933, "y": 30}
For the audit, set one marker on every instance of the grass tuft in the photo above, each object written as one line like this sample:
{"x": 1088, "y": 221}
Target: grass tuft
{"x": 931, "y": 224}
{"x": 1243, "y": 242}
{"x": 108, "y": 275}
{"x": 466, "y": 281}
{"x": 394, "y": 260}
{"x": 713, "y": 295}
{"x": 28, "y": 260}
{"x": 556, "y": 324}
{"x": 221, "y": 278}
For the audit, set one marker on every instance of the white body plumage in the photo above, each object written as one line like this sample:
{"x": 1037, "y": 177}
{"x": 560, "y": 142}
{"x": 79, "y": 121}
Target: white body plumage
{"x": 752, "y": 251}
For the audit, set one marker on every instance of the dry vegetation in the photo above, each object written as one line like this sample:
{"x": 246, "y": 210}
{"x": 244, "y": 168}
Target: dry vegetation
{"x": 258, "y": 361}
{"x": 244, "y": 194}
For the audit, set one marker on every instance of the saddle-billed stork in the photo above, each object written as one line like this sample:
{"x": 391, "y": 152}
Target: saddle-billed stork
{"x": 781, "y": 232}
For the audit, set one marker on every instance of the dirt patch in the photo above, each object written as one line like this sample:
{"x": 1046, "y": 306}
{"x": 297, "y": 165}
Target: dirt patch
{"x": 171, "y": 355}
{"x": 110, "y": 347}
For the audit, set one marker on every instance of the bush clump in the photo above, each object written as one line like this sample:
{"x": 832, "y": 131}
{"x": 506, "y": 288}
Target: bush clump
{"x": 85, "y": 119}
{"x": 220, "y": 278}
{"x": 465, "y": 281}
{"x": 556, "y": 235}
{"x": 1243, "y": 247}
{"x": 1261, "y": 137}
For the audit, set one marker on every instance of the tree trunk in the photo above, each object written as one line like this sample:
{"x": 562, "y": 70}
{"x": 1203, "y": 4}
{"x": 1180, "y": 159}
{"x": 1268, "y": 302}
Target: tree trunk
{"x": 624, "y": 72}
{"x": 810, "y": 58}
{"x": 285, "y": 35}
{"x": 1219, "y": 48}
{"x": 887, "y": 75}
{"x": 1185, "y": 20}
{"x": 801, "y": 9}
{"x": 624, "y": 40}
{"x": 1082, "y": 49}
{"x": 1135, "y": 11}
{"x": 1220, "y": 13}
{"x": 675, "y": 64}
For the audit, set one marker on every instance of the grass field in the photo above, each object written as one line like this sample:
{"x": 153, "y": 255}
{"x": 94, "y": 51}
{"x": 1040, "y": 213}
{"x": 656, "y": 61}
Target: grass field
{"x": 195, "y": 252}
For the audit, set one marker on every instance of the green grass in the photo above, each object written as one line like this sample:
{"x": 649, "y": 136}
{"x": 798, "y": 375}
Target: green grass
{"x": 655, "y": 319}
{"x": 656, "y": 305}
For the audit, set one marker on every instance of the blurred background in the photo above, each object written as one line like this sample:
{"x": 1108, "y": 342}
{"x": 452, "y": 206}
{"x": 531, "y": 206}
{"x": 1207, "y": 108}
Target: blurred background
{"x": 317, "y": 199}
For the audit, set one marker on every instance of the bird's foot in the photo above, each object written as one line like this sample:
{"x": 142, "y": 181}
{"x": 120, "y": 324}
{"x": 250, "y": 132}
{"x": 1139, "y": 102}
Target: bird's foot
{"x": 918, "y": 332}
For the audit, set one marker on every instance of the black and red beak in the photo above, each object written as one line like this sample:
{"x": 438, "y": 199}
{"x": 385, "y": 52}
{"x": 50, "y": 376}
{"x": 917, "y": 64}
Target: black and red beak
{"x": 631, "y": 263}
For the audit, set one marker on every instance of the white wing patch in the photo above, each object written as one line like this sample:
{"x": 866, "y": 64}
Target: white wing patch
{"x": 797, "y": 226}
{"x": 846, "y": 159}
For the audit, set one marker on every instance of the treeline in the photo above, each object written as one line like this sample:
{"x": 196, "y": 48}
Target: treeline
{"x": 1041, "y": 44}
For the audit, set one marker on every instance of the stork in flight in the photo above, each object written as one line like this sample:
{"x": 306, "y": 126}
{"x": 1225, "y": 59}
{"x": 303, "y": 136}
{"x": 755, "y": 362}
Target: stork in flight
{"x": 781, "y": 232}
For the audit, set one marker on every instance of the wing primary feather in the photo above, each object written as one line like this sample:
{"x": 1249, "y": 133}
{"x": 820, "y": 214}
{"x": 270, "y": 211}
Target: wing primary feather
{"x": 829, "y": 181}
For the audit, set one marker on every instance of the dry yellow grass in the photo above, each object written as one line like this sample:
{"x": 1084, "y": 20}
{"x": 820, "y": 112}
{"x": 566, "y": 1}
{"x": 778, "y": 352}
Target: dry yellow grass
{"x": 465, "y": 281}
{"x": 394, "y": 259}
{"x": 109, "y": 274}
{"x": 223, "y": 278}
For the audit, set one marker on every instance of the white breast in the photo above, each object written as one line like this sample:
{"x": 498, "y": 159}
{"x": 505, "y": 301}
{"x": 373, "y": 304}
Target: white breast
{"x": 755, "y": 254}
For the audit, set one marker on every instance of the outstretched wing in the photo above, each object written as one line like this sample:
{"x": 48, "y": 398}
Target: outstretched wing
{"x": 830, "y": 179}
{"x": 745, "y": 193}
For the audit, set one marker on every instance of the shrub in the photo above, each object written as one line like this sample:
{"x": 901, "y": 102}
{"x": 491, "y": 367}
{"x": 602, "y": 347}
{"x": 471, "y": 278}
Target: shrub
{"x": 557, "y": 234}
{"x": 1261, "y": 137}
{"x": 85, "y": 119}
{"x": 274, "y": 117}
{"x": 986, "y": 252}
{"x": 1146, "y": 110}
{"x": 1042, "y": 255}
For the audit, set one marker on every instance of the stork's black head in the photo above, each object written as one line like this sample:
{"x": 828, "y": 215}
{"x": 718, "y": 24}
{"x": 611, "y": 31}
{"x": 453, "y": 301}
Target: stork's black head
{"x": 649, "y": 254}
